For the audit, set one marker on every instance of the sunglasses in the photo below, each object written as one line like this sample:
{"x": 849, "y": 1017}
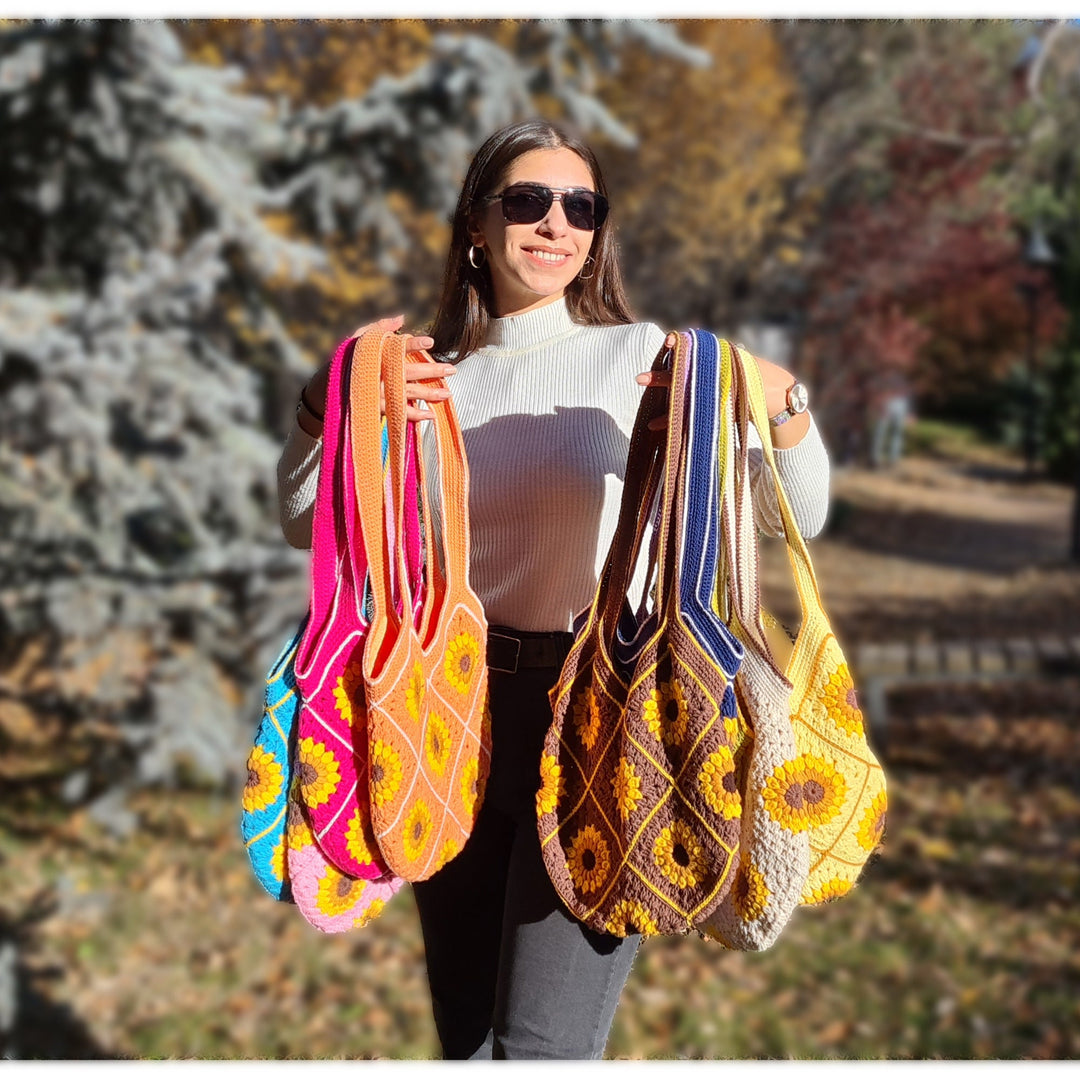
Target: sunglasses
{"x": 525, "y": 204}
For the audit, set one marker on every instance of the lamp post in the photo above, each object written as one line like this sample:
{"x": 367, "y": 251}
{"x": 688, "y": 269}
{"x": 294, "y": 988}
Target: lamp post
{"x": 1037, "y": 253}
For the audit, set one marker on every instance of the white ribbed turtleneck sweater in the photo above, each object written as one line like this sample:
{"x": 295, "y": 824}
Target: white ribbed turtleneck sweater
{"x": 547, "y": 408}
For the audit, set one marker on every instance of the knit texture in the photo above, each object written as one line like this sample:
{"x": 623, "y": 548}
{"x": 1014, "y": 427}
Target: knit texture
{"x": 547, "y": 408}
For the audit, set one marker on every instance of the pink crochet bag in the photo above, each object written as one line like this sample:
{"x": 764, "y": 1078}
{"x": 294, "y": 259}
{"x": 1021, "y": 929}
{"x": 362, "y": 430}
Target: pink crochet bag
{"x": 330, "y": 756}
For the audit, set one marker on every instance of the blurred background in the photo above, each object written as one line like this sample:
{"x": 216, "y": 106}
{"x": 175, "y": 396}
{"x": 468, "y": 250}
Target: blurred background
{"x": 193, "y": 213}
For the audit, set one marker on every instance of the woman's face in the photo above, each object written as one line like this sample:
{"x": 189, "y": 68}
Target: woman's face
{"x": 531, "y": 265}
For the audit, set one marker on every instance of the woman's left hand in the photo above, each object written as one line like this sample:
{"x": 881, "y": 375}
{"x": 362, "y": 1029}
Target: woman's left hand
{"x": 657, "y": 378}
{"x": 776, "y": 381}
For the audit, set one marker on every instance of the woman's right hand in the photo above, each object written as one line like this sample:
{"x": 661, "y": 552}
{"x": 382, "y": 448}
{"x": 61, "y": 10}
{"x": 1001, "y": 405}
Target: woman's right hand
{"x": 417, "y": 375}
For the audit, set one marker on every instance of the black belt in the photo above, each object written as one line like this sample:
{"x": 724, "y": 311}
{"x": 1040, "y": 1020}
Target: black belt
{"x": 508, "y": 650}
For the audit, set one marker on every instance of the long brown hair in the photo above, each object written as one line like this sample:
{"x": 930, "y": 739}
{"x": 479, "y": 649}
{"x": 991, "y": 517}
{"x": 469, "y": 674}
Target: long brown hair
{"x": 467, "y": 304}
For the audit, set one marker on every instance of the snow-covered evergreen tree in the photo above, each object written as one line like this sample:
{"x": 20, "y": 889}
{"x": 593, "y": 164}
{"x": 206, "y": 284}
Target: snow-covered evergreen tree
{"x": 143, "y": 364}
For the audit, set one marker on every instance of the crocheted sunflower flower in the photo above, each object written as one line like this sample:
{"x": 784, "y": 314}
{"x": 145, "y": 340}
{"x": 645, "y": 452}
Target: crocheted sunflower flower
{"x": 337, "y": 892}
{"x": 872, "y": 826}
{"x": 630, "y": 917}
{"x": 626, "y": 786}
{"x": 461, "y": 661}
{"x": 750, "y": 893}
{"x": 349, "y": 692}
{"x": 437, "y": 743}
{"x": 679, "y": 855}
{"x": 552, "y": 785}
{"x": 588, "y": 859}
{"x": 472, "y": 784}
{"x": 666, "y": 713}
{"x": 372, "y": 911}
{"x": 384, "y": 772}
{"x": 416, "y": 831}
{"x": 448, "y": 851}
{"x": 277, "y": 861}
{"x": 317, "y": 769}
{"x": 298, "y": 831}
{"x": 804, "y": 793}
{"x": 830, "y": 890}
{"x": 358, "y": 837}
{"x": 414, "y": 692}
{"x": 839, "y": 697}
{"x": 587, "y": 717}
{"x": 718, "y": 784}
{"x": 264, "y": 780}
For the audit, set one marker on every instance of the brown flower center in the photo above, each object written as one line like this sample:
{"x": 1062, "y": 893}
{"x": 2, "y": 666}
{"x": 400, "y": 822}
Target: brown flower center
{"x": 417, "y": 831}
{"x": 294, "y": 817}
{"x": 814, "y": 791}
{"x": 680, "y": 855}
{"x": 671, "y": 710}
{"x": 253, "y": 778}
{"x": 852, "y": 698}
{"x": 465, "y": 664}
{"x": 728, "y": 782}
{"x": 588, "y": 859}
{"x": 308, "y": 773}
{"x": 377, "y": 773}
{"x": 794, "y": 796}
{"x": 344, "y": 887}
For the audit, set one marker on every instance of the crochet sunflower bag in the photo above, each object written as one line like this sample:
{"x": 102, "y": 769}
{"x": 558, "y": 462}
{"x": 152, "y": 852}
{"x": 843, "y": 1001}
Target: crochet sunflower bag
{"x": 264, "y": 799}
{"x": 834, "y": 790}
{"x": 635, "y": 805}
{"x": 720, "y": 557}
{"x": 424, "y": 680}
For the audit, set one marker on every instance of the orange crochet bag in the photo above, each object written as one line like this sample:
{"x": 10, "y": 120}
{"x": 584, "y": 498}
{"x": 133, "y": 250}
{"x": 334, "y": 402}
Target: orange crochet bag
{"x": 425, "y": 684}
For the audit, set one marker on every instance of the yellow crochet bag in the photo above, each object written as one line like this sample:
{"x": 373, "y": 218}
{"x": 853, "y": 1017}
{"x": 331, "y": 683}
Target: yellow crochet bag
{"x": 835, "y": 788}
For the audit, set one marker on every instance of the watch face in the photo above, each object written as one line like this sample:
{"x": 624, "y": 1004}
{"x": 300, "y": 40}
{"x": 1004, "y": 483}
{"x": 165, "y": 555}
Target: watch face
{"x": 798, "y": 398}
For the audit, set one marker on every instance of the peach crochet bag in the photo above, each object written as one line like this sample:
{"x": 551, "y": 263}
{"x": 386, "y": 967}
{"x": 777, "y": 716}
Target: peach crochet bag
{"x": 425, "y": 682}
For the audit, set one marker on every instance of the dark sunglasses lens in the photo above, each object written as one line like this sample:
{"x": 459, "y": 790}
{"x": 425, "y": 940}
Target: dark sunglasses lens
{"x": 525, "y": 206}
{"x": 585, "y": 210}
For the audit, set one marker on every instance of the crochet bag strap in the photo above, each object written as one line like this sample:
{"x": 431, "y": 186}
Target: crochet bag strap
{"x": 385, "y": 352}
{"x": 841, "y": 782}
{"x": 644, "y": 468}
{"x": 324, "y": 526}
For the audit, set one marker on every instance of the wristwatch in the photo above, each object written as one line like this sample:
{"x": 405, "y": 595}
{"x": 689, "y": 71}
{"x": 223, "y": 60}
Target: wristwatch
{"x": 798, "y": 397}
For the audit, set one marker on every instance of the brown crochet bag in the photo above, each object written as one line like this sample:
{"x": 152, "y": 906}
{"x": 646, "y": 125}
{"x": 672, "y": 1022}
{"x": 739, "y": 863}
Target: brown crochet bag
{"x": 634, "y": 809}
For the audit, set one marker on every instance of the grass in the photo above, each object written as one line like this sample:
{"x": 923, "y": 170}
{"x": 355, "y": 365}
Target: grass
{"x": 960, "y": 942}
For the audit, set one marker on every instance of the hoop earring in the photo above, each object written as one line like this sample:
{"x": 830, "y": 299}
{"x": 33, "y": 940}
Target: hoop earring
{"x": 470, "y": 256}
{"x": 585, "y": 277}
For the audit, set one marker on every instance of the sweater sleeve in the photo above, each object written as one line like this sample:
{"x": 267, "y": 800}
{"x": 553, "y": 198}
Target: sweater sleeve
{"x": 297, "y": 480}
{"x": 803, "y": 471}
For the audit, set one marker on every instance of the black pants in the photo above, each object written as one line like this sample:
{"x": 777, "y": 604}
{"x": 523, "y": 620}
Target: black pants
{"x": 512, "y": 973}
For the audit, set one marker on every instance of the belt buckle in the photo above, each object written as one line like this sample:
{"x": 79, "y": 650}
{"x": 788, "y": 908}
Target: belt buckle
{"x": 517, "y": 652}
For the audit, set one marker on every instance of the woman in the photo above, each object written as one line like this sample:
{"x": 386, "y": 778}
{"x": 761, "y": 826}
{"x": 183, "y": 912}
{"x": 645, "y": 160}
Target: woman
{"x": 548, "y": 370}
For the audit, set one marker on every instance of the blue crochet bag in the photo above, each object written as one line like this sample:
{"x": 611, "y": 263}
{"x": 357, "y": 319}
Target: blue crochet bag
{"x": 269, "y": 770}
